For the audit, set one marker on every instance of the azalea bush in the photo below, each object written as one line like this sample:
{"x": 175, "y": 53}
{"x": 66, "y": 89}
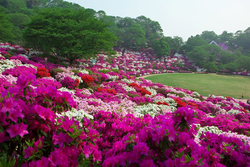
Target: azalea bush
{"x": 120, "y": 121}
{"x": 43, "y": 72}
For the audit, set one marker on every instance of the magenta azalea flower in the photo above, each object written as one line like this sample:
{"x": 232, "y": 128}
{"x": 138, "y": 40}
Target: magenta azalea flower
{"x": 28, "y": 152}
{"x": 148, "y": 163}
{"x": 61, "y": 138}
{"x": 3, "y": 137}
{"x": 14, "y": 114}
{"x": 17, "y": 129}
{"x": 9, "y": 105}
{"x": 23, "y": 80}
{"x": 40, "y": 163}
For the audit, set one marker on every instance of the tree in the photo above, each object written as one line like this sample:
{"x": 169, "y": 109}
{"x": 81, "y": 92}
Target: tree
{"x": 131, "y": 35}
{"x": 192, "y": 42}
{"x": 16, "y": 6}
{"x": 19, "y": 19}
{"x": 175, "y": 43}
{"x": 204, "y": 54}
{"x": 231, "y": 67}
{"x": 209, "y": 36}
{"x": 226, "y": 57}
{"x": 243, "y": 41}
{"x": 6, "y": 34}
{"x": 226, "y": 37}
{"x": 211, "y": 67}
{"x": 73, "y": 34}
{"x": 244, "y": 62}
{"x": 161, "y": 48}
{"x": 152, "y": 28}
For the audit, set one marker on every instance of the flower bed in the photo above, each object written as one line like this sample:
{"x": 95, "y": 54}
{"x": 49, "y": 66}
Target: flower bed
{"x": 114, "y": 120}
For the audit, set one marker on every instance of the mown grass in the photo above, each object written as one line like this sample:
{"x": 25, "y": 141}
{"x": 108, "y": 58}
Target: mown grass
{"x": 205, "y": 84}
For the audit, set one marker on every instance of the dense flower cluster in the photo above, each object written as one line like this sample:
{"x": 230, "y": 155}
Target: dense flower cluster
{"x": 69, "y": 83}
{"x": 142, "y": 90}
{"x": 112, "y": 91}
{"x": 42, "y": 72}
{"x": 18, "y": 70}
{"x": 117, "y": 123}
{"x": 87, "y": 78}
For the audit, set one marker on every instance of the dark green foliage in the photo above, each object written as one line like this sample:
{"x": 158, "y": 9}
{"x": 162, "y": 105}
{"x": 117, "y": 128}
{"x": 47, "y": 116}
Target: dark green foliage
{"x": 191, "y": 43}
{"x": 133, "y": 95}
{"x": 90, "y": 72}
{"x": 152, "y": 28}
{"x": 54, "y": 71}
{"x": 209, "y": 36}
{"x": 161, "y": 48}
{"x": 131, "y": 35}
{"x": 116, "y": 70}
{"x": 161, "y": 91}
{"x": 244, "y": 63}
{"x": 104, "y": 71}
{"x": 211, "y": 67}
{"x": 75, "y": 71}
{"x": 232, "y": 67}
{"x": 6, "y": 34}
{"x": 74, "y": 34}
{"x": 204, "y": 54}
{"x": 174, "y": 43}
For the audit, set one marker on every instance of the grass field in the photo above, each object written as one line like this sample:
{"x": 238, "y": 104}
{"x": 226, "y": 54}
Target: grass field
{"x": 205, "y": 84}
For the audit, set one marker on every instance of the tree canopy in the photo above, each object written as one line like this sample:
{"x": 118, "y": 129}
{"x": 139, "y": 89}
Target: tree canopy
{"x": 73, "y": 34}
{"x": 6, "y": 34}
{"x": 131, "y": 35}
{"x": 204, "y": 54}
{"x": 161, "y": 48}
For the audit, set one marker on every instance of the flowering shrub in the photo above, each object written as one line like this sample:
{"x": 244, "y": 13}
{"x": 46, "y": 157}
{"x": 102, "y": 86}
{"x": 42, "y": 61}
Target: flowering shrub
{"x": 162, "y": 103}
{"x": 87, "y": 79}
{"x": 140, "y": 89}
{"x": 42, "y": 72}
{"x": 112, "y": 91}
{"x": 18, "y": 70}
{"x": 69, "y": 83}
{"x": 117, "y": 123}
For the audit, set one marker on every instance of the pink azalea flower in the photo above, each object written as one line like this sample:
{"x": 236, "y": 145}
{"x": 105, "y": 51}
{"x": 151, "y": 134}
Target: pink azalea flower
{"x": 17, "y": 129}
{"x": 40, "y": 163}
{"x": 86, "y": 151}
{"x": 147, "y": 162}
{"x": 8, "y": 105}
{"x": 23, "y": 80}
{"x": 3, "y": 137}
{"x": 97, "y": 155}
{"x": 44, "y": 113}
{"x": 61, "y": 138}
{"x": 57, "y": 158}
{"x": 28, "y": 152}
{"x": 38, "y": 143}
{"x": 15, "y": 113}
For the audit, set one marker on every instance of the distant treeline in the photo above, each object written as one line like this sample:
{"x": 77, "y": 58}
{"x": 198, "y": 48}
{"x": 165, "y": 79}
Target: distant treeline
{"x": 18, "y": 24}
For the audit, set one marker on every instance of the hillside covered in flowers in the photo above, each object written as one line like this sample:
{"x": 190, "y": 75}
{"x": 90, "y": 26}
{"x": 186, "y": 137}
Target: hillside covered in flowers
{"x": 104, "y": 114}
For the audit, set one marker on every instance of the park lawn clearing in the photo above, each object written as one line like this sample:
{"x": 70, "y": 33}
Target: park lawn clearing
{"x": 206, "y": 84}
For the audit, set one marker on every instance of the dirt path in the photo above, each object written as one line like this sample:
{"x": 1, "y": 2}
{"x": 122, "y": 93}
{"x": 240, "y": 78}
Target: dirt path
{"x": 144, "y": 76}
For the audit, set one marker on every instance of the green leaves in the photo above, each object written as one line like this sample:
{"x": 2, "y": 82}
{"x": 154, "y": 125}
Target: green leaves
{"x": 73, "y": 33}
{"x": 161, "y": 48}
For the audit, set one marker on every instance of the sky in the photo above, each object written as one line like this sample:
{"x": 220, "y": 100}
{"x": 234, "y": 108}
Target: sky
{"x": 183, "y": 18}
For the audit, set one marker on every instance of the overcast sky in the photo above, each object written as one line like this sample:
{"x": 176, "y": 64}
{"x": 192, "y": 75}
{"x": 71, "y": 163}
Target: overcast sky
{"x": 182, "y": 18}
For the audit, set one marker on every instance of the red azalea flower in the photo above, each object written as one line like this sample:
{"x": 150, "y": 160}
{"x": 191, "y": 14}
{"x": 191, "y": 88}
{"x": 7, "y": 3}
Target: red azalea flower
{"x": 179, "y": 102}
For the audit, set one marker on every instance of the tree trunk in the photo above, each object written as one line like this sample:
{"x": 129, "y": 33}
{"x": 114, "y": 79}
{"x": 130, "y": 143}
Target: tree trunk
{"x": 71, "y": 61}
{"x": 123, "y": 51}
{"x": 165, "y": 61}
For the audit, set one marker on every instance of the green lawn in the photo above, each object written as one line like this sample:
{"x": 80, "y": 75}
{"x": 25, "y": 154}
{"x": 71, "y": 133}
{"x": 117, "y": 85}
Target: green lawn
{"x": 205, "y": 84}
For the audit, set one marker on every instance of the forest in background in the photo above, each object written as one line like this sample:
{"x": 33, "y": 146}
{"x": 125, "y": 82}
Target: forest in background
{"x": 134, "y": 34}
